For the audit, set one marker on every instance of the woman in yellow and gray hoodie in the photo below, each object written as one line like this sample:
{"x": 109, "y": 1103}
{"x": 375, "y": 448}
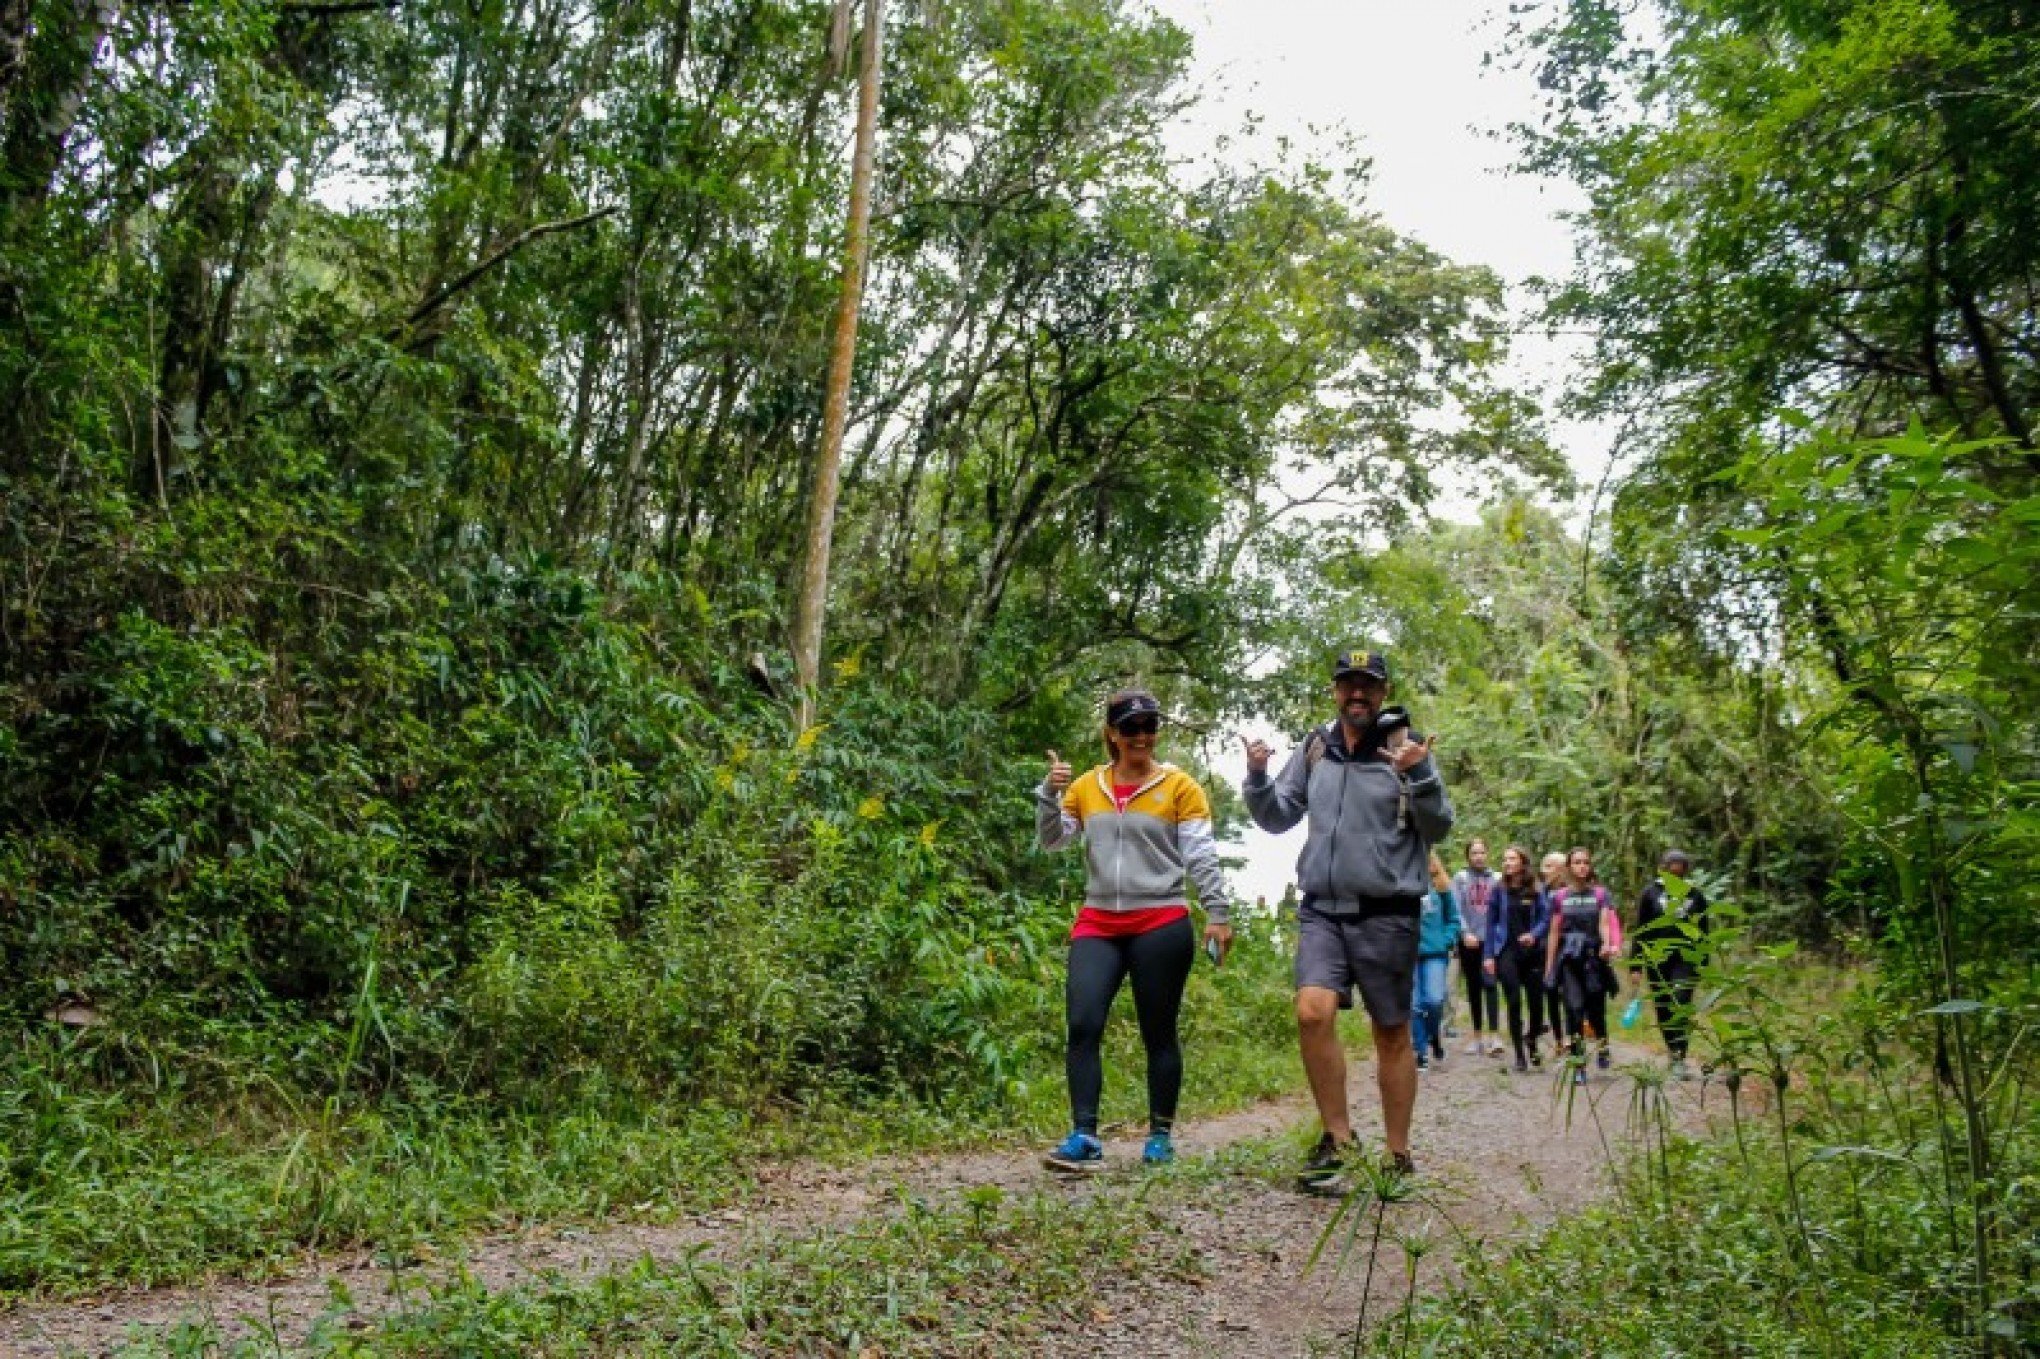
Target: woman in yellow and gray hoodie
{"x": 1147, "y": 832}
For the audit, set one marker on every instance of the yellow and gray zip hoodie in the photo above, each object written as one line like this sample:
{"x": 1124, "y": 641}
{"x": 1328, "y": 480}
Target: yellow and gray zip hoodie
{"x": 1138, "y": 859}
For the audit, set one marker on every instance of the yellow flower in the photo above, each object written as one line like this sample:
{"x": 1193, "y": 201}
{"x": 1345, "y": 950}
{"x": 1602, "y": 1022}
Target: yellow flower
{"x": 741, "y": 753}
{"x": 806, "y": 740}
{"x": 725, "y": 778}
{"x": 851, "y": 666}
{"x": 929, "y": 832}
{"x": 871, "y": 808}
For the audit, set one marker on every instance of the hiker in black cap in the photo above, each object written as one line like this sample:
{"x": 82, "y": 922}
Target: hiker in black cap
{"x": 1668, "y": 948}
{"x": 1375, "y": 806}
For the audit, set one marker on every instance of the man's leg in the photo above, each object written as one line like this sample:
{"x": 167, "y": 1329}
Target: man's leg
{"x": 1675, "y": 1009}
{"x": 1395, "y": 1071}
{"x": 1324, "y": 1063}
{"x": 1385, "y": 967}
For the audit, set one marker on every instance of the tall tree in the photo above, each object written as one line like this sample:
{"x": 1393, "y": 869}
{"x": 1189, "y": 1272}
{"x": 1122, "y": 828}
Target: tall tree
{"x": 1832, "y": 206}
{"x": 811, "y": 601}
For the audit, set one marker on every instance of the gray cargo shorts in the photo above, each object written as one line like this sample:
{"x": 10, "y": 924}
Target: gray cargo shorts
{"x": 1375, "y": 952}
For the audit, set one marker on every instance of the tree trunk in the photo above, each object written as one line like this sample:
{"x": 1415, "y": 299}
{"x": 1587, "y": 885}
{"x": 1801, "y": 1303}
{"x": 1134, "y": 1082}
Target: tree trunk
{"x": 13, "y": 46}
{"x": 812, "y": 598}
{"x": 47, "y": 92}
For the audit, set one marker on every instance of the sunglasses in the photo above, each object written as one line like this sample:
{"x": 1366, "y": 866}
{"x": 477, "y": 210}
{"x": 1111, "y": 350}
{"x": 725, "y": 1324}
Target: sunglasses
{"x": 1140, "y": 724}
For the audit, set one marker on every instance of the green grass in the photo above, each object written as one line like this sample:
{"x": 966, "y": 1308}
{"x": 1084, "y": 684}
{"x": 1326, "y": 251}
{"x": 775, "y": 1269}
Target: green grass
{"x": 1718, "y": 1278}
{"x": 1832, "y": 1218}
{"x": 977, "y": 1277}
{"x": 111, "y": 1183}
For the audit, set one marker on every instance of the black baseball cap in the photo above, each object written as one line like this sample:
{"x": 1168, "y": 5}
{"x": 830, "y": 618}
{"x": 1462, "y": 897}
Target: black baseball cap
{"x": 1135, "y": 704}
{"x": 1371, "y": 663}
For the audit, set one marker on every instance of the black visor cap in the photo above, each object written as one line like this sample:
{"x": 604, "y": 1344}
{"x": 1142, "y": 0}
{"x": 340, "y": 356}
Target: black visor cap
{"x": 1132, "y": 706}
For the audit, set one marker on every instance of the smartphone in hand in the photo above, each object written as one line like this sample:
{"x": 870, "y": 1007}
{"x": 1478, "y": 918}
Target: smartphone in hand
{"x": 1214, "y": 952}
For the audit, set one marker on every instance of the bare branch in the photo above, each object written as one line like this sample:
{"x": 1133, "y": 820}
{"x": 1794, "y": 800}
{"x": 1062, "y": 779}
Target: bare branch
{"x": 441, "y": 296}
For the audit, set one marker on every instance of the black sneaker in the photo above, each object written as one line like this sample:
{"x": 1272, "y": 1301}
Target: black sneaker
{"x": 1521, "y": 1065}
{"x": 1423, "y": 1061}
{"x": 1400, "y": 1163}
{"x": 1321, "y": 1173}
{"x": 1601, "y": 1059}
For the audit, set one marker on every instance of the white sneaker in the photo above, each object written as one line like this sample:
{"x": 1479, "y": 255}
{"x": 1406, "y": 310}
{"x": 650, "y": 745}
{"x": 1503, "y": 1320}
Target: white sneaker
{"x": 1494, "y": 1047}
{"x": 1473, "y": 1048}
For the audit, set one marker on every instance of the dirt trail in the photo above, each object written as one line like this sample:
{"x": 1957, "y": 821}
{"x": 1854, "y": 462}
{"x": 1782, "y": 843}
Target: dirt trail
{"x": 1494, "y": 1145}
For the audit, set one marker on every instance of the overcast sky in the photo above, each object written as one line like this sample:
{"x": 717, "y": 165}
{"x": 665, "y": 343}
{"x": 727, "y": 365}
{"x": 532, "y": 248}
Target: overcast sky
{"x": 1407, "y": 78}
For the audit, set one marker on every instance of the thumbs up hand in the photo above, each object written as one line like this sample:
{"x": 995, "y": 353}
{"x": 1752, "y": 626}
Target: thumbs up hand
{"x": 1058, "y": 773}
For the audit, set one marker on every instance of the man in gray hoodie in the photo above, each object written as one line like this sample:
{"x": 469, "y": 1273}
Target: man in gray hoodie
{"x": 1375, "y": 806}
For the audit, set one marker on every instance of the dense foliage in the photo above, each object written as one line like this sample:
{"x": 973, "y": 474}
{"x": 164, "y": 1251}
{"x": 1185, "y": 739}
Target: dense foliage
{"x": 1809, "y": 261}
{"x": 405, "y": 417}
{"x": 407, "y": 411}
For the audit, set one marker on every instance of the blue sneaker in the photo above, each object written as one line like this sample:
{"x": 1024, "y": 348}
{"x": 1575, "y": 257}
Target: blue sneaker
{"x": 1078, "y": 1153}
{"x": 1159, "y": 1151}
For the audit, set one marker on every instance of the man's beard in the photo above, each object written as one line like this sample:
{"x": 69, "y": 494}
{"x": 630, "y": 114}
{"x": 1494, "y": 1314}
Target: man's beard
{"x": 1360, "y": 718}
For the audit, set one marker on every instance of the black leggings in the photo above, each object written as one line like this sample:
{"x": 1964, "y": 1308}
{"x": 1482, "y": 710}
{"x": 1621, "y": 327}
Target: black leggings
{"x": 1585, "y": 1006}
{"x": 1671, "y": 993}
{"x": 1480, "y": 990}
{"x": 1159, "y": 962}
{"x": 1521, "y": 974}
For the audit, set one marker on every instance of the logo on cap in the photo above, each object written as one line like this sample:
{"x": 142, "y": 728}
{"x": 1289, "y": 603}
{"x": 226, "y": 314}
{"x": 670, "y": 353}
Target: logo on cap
{"x": 1361, "y": 663}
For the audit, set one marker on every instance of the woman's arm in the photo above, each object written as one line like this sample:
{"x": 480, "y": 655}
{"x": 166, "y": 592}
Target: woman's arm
{"x": 1056, "y": 823}
{"x": 1200, "y": 854}
{"x": 1497, "y": 937}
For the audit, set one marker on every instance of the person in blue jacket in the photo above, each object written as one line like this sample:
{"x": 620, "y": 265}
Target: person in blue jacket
{"x": 1517, "y": 917}
{"x": 1438, "y": 930}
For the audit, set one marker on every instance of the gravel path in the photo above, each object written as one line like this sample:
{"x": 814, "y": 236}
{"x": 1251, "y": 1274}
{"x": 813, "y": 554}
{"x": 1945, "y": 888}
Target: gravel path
{"x": 1496, "y": 1155}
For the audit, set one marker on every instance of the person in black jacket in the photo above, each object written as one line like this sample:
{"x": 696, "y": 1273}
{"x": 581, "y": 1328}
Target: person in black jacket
{"x": 1514, "y": 950}
{"x": 1668, "y": 947}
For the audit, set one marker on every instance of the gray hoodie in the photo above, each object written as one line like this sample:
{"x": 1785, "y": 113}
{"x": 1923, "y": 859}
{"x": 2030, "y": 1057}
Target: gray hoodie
{"x": 1371, "y": 830}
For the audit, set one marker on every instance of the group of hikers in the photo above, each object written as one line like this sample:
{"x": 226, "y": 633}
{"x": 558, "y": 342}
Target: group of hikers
{"x": 1377, "y": 913}
{"x": 1543, "y": 944}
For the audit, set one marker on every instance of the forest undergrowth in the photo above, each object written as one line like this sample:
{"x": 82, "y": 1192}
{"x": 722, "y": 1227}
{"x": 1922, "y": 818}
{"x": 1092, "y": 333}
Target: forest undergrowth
{"x": 1828, "y": 1213}
{"x": 406, "y": 417}
{"x": 599, "y": 932}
